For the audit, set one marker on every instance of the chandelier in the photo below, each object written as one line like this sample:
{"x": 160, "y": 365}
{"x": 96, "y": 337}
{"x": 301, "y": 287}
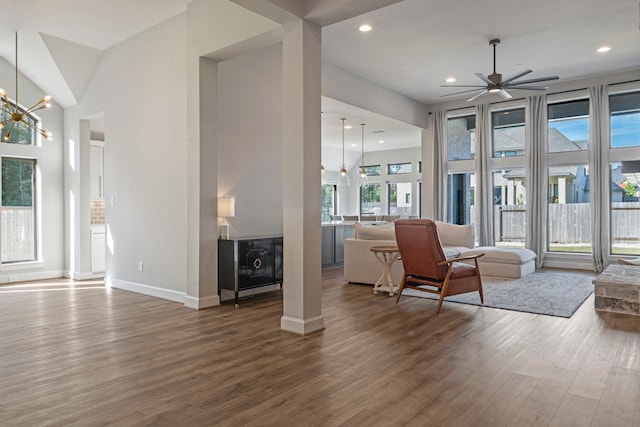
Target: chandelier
{"x": 13, "y": 116}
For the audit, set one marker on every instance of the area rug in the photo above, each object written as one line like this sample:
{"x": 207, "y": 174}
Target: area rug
{"x": 551, "y": 293}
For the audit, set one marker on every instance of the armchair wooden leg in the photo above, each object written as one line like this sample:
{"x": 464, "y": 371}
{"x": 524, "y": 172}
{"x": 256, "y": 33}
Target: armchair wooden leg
{"x": 443, "y": 291}
{"x": 401, "y": 287}
{"x": 479, "y": 282}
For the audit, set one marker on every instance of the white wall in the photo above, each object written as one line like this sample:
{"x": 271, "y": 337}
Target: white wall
{"x": 49, "y": 157}
{"x": 140, "y": 87}
{"x": 250, "y": 140}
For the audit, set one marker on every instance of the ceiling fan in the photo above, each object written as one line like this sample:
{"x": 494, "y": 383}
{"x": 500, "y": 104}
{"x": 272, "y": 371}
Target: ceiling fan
{"x": 495, "y": 84}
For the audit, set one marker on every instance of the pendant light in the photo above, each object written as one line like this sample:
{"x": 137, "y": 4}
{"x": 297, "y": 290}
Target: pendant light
{"x": 15, "y": 117}
{"x": 323, "y": 172}
{"x": 343, "y": 177}
{"x": 363, "y": 179}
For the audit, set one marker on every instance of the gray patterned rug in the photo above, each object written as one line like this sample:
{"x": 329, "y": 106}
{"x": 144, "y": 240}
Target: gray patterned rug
{"x": 548, "y": 292}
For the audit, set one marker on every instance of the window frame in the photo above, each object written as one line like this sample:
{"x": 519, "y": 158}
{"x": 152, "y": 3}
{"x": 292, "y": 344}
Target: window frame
{"x": 35, "y": 222}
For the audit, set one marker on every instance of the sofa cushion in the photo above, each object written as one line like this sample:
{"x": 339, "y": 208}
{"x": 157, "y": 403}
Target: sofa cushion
{"x": 517, "y": 256}
{"x": 374, "y": 232}
{"x": 455, "y": 235}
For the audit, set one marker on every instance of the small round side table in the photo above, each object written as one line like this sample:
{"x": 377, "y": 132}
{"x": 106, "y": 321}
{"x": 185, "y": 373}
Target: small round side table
{"x": 387, "y": 255}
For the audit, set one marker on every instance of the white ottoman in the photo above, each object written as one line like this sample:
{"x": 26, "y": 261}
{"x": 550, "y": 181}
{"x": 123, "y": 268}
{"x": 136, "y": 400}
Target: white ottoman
{"x": 504, "y": 262}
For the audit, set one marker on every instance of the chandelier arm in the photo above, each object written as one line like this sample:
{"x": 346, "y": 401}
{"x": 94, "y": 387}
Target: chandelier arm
{"x": 37, "y": 106}
{"x": 8, "y": 135}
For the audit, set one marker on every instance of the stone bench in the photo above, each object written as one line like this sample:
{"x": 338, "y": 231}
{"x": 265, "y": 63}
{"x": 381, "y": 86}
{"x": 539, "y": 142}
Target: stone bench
{"x": 617, "y": 289}
{"x": 504, "y": 262}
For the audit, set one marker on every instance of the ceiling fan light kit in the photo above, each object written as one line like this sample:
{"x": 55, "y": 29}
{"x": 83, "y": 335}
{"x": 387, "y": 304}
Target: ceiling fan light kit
{"x": 495, "y": 84}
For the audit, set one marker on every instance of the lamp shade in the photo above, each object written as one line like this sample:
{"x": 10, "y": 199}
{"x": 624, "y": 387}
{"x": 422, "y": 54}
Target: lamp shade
{"x": 227, "y": 206}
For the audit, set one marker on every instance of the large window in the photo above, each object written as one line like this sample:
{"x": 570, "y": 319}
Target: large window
{"x": 328, "y": 193}
{"x": 18, "y": 228}
{"x": 400, "y": 199}
{"x": 370, "y": 201}
{"x": 625, "y": 173}
{"x": 568, "y": 209}
{"x": 509, "y": 189}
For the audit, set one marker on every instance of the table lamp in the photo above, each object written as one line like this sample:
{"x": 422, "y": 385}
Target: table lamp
{"x": 226, "y": 209}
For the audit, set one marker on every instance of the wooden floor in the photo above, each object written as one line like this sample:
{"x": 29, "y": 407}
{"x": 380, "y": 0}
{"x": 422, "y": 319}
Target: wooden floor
{"x": 78, "y": 354}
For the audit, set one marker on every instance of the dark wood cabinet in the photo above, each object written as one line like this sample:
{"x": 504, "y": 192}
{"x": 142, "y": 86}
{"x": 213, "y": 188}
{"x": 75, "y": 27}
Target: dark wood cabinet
{"x": 247, "y": 263}
{"x": 333, "y": 236}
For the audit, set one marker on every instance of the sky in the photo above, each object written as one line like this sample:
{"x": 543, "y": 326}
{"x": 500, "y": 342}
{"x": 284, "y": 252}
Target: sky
{"x": 625, "y": 129}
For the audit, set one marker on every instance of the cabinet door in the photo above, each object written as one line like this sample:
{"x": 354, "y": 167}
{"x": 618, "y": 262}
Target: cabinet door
{"x": 97, "y": 252}
{"x": 255, "y": 263}
{"x": 339, "y": 244}
{"x": 96, "y": 171}
{"x": 328, "y": 249}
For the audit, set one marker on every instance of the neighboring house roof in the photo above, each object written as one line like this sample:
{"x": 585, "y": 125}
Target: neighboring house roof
{"x": 553, "y": 171}
{"x": 512, "y": 139}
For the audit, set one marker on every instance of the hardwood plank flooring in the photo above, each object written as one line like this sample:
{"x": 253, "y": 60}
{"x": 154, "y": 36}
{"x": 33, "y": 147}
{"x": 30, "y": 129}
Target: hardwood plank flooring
{"x": 80, "y": 354}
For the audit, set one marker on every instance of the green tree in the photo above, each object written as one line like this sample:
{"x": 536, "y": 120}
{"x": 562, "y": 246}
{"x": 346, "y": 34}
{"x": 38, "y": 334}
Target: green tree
{"x": 629, "y": 189}
{"x": 17, "y": 182}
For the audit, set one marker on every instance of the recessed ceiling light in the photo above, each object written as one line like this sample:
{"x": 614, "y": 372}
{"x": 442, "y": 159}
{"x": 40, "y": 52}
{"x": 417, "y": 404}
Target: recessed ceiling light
{"x": 603, "y": 49}
{"x": 354, "y": 145}
{"x": 365, "y": 27}
{"x": 347, "y": 126}
{"x": 381, "y": 142}
{"x": 450, "y": 79}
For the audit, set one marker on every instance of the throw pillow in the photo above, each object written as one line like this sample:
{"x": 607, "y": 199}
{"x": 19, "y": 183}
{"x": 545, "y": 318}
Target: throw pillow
{"x": 374, "y": 232}
{"x": 455, "y": 235}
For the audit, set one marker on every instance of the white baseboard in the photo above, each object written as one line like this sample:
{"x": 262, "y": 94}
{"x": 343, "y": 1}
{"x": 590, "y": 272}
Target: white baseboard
{"x": 77, "y": 275}
{"x": 200, "y": 303}
{"x": 14, "y": 276}
{"x": 301, "y": 326}
{"x": 152, "y": 291}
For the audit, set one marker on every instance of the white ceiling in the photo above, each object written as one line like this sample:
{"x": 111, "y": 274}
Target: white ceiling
{"x": 413, "y": 47}
{"x": 415, "y": 44}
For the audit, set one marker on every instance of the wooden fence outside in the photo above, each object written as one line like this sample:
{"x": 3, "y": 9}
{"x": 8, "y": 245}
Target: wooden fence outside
{"x": 18, "y": 234}
{"x": 569, "y": 223}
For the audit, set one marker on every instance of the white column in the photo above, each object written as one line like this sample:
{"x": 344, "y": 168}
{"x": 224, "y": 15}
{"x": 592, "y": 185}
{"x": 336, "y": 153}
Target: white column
{"x": 562, "y": 190}
{"x": 301, "y": 64}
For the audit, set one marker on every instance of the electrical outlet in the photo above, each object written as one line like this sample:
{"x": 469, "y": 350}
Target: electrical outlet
{"x": 141, "y": 266}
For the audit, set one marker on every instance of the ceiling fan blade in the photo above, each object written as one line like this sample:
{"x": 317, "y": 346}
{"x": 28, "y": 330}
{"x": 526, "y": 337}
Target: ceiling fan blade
{"x": 484, "y": 78}
{"x": 528, "y": 87}
{"x": 480, "y": 86}
{"x": 516, "y": 76}
{"x": 481, "y": 93}
{"x": 463, "y": 91}
{"x": 539, "y": 79}
{"x": 504, "y": 94}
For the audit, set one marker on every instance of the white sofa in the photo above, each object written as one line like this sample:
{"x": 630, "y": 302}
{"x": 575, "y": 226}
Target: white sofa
{"x": 361, "y": 266}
